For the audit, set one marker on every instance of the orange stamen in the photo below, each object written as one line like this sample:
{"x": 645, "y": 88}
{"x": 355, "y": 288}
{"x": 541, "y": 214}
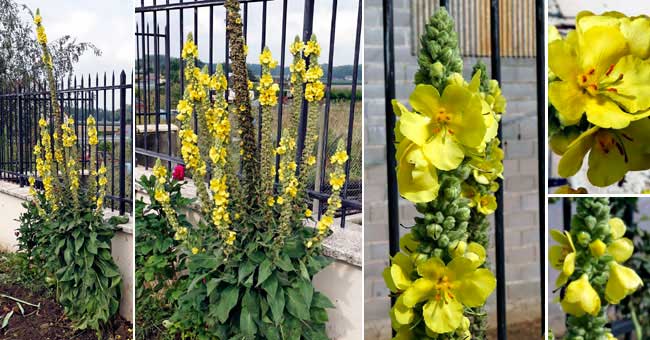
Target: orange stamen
{"x": 610, "y": 69}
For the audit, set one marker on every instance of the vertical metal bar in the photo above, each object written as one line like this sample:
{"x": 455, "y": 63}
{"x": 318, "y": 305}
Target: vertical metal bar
{"x": 308, "y": 25}
{"x": 328, "y": 102}
{"x": 566, "y": 213}
{"x": 353, "y": 101}
{"x": 282, "y": 80}
{"x": 113, "y": 140}
{"x": 105, "y": 125}
{"x": 20, "y": 136}
{"x": 263, "y": 44}
{"x": 146, "y": 88}
{"x": 211, "y": 41}
{"x": 122, "y": 142}
{"x": 168, "y": 89}
{"x": 156, "y": 43}
{"x": 541, "y": 137}
{"x": 495, "y": 57}
{"x": 389, "y": 94}
{"x": 445, "y": 4}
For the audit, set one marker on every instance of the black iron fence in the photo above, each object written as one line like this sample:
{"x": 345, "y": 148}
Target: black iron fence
{"x": 107, "y": 98}
{"x": 495, "y": 59}
{"x": 161, "y": 30}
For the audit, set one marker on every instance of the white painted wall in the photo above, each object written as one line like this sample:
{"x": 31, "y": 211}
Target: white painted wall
{"x": 11, "y": 198}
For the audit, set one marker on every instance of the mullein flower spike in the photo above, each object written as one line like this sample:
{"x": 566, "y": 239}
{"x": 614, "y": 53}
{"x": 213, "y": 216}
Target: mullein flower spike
{"x": 590, "y": 259}
{"x": 448, "y": 163}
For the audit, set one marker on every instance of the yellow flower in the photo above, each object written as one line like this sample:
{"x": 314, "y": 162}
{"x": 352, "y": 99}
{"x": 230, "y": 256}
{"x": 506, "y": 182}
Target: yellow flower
{"x": 597, "y": 76}
{"x": 190, "y": 50}
{"x": 280, "y": 200}
{"x": 340, "y": 157}
{"x": 37, "y": 19}
{"x": 296, "y": 47}
{"x": 267, "y": 59}
{"x": 446, "y": 289}
{"x": 486, "y": 204}
{"x": 311, "y": 160}
{"x": 312, "y": 47}
{"x": 314, "y": 73}
{"x": 232, "y": 236}
{"x": 314, "y": 91}
{"x": 621, "y": 248}
{"x": 308, "y": 213}
{"x": 161, "y": 195}
{"x": 622, "y": 282}
{"x": 337, "y": 181}
{"x": 581, "y": 298}
{"x": 562, "y": 256}
{"x": 40, "y": 35}
{"x": 195, "y": 250}
{"x": 597, "y": 248}
{"x": 270, "y": 201}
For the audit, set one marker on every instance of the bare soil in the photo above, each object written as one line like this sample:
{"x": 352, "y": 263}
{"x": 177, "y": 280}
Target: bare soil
{"x": 47, "y": 322}
{"x": 522, "y": 330}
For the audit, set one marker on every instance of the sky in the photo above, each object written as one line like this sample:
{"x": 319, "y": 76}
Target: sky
{"x": 344, "y": 38}
{"x": 106, "y": 24}
{"x": 110, "y": 26}
{"x": 630, "y": 7}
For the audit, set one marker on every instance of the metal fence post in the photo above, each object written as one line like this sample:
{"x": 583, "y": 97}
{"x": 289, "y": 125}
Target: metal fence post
{"x": 541, "y": 152}
{"x": 308, "y": 26}
{"x": 495, "y": 57}
{"x": 389, "y": 94}
{"x": 20, "y": 137}
{"x": 122, "y": 142}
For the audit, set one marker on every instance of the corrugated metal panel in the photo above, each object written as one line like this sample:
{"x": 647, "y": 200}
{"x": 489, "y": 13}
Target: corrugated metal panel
{"x": 473, "y": 25}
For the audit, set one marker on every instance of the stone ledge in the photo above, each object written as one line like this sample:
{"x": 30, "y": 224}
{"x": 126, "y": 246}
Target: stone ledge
{"x": 22, "y": 193}
{"x": 344, "y": 244}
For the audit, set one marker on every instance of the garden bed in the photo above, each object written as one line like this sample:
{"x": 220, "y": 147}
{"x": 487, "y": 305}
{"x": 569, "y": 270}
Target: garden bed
{"x": 48, "y": 321}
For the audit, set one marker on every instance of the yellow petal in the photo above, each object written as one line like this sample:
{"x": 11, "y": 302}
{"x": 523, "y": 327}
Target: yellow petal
{"x": 442, "y": 317}
{"x": 444, "y": 152}
{"x": 617, "y": 227}
{"x": 572, "y": 159}
{"x": 568, "y": 99}
{"x": 475, "y": 287}
{"x": 580, "y": 298}
{"x": 621, "y": 249}
{"x": 622, "y": 282}
{"x": 425, "y": 99}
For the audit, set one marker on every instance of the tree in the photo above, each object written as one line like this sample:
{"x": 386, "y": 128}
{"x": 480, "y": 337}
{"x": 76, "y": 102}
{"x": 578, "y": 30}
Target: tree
{"x": 20, "y": 61}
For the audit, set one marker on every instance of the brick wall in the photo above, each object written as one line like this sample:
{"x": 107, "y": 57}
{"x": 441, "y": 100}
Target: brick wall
{"x": 520, "y": 200}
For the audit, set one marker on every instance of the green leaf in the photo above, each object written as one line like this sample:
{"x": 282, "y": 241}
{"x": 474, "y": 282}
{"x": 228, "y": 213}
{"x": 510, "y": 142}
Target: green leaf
{"x": 270, "y": 285}
{"x": 321, "y": 301}
{"x": 296, "y": 304}
{"x": 229, "y": 297}
{"x": 284, "y": 263}
{"x": 319, "y": 315}
{"x": 303, "y": 271}
{"x": 277, "y": 303}
{"x": 306, "y": 290}
{"x": 264, "y": 272}
{"x": 211, "y": 285}
{"x": 294, "y": 248}
{"x": 91, "y": 245}
{"x": 203, "y": 261}
{"x": 246, "y": 323}
{"x": 245, "y": 270}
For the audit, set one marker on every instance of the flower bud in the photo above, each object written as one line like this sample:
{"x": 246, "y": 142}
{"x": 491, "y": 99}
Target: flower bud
{"x": 584, "y": 238}
{"x": 597, "y": 248}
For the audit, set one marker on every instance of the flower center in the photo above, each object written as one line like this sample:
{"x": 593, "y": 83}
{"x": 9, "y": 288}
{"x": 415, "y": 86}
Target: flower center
{"x": 593, "y": 84}
{"x": 611, "y": 142}
{"x": 443, "y": 290}
{"x": 443, "y": 118}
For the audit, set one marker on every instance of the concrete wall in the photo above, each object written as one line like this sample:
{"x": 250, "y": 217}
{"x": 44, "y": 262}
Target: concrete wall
{"x": 342, "y": 281}
{"x": 520, "y": 199}
{"x": 11, "y": 198}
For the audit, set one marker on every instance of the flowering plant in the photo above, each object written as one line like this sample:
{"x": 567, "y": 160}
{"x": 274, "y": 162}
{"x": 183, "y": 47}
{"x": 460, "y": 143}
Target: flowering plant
{"x": 448, "y": 162}
{"x": 73, "y": 234}
{"x": 590, "y": 259}
{"x": 599, "y": 76}
{"x": 250, "y": 259}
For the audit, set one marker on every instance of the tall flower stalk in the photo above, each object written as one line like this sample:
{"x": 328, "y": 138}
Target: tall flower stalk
{"x": 252, "y": 255}
{"x": 590, "y": 258}
{"x": 74, "y": 235}
{"x": 449, "y": 161}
